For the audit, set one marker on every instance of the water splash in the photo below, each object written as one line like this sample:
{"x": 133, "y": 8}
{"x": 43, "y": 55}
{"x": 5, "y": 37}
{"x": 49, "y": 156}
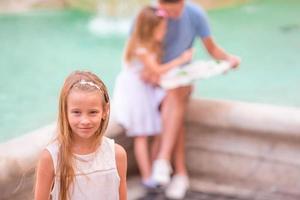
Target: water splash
{"x": 104, "y": 26}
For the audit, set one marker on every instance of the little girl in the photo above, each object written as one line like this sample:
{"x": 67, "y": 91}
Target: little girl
{"x": 136, "y": 96}
{"x": 82, "y": 163}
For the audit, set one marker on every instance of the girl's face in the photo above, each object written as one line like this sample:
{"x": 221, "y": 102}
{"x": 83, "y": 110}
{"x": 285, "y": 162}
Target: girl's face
{"x": 160, "y": 31}
{"x": 85, "y": 112}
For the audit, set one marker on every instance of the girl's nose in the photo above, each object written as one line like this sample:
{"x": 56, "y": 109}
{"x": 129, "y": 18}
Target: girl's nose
{"x": 84, "y": 120}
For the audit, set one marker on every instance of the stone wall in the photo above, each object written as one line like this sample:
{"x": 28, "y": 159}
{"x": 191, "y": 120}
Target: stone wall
{"x": 232, "y": 147}
{"x": 245, "y": 148}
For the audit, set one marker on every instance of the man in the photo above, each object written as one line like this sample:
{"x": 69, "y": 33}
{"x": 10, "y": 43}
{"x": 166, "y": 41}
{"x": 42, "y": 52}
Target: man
{"x": 186, "y": 22}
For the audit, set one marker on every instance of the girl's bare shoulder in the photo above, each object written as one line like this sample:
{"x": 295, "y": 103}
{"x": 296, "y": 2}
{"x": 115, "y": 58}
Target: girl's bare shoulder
{"x": 45, "y": 161}
{"x": 120, "y": 152}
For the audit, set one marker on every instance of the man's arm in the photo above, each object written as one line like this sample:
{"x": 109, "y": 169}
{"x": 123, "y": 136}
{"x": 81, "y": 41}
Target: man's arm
{"x": 218, "y": 53}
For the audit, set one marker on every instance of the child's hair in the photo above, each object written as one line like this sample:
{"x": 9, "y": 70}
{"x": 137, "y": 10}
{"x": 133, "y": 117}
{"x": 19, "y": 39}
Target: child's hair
{"x": 143, "y": 33}
{"x": 82, "y": 81}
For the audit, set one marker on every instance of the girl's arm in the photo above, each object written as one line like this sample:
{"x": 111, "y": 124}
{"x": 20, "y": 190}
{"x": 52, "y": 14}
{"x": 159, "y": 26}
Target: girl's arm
{"x": 44, "y": 177}
{"x": 158, "y": 68}
{"x": 121, "y": 159}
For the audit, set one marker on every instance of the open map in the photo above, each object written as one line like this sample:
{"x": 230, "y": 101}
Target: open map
{"x": 187, "y": 74}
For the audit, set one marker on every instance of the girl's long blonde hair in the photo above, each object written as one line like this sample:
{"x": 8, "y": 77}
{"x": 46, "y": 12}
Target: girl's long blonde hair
{"x": 143, "y": 33}
{"x": 65, "y": 168}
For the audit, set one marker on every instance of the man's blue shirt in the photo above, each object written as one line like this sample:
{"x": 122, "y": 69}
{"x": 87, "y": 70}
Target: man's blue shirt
{"x": 182, "y": 32}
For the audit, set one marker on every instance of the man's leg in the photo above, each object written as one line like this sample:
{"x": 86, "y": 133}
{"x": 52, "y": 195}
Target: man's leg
{"x": 180, "y": 181}
{"x": 171, "y": 119}
{"x": 155, "y": 147}
{"x": 173, "y": 109}
{"x": 179, "y": 148}
{"x": 179, "y": 154}
{"x": 172, "y": 116}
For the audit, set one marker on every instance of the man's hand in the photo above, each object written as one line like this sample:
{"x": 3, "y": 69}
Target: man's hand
{"x": 234, "y": 61}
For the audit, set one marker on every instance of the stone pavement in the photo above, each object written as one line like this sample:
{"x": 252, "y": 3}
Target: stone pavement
{"x": 209, "y": 192}
{"x": 192, "y": 195}
{"x": 195, "y": 195}
{"x": 136, "y": 192}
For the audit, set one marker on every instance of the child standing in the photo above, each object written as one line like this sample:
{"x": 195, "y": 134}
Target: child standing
{"x": 82, "y": 163}
{"x": 136, "y": 96}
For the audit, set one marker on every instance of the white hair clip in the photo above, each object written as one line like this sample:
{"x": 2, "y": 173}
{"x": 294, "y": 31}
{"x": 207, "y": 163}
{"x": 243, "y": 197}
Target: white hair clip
{"x": 84, "y": 82}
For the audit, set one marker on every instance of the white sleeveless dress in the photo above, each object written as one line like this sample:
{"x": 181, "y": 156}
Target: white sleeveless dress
{"x": 96, "y": 175}
{"x": 136, "y": 103}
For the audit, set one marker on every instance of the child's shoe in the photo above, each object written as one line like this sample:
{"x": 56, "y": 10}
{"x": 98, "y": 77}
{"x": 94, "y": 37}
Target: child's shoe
{"x": 149, "y": 184}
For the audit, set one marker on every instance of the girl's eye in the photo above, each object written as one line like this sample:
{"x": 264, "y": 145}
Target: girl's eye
{"x": 76, "y": 112}
{"x": 93, "y": 112}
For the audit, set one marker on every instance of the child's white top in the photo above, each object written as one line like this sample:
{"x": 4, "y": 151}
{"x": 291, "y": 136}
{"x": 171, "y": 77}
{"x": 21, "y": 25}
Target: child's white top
{"x": 135, "y": 102}
{"x": 96, "y": 175}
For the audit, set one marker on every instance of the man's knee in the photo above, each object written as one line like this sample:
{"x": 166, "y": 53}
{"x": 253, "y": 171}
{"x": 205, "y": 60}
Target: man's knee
{"x": 177, "y": 99}
{"x": 173, "y": 97}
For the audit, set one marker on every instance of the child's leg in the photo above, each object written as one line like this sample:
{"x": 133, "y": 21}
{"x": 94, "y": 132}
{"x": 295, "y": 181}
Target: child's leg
{"x": 142, "y": 156}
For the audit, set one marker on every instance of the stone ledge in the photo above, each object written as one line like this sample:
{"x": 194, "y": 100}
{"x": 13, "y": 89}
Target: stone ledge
{"x": 249, "y": 117}
{"x": 226, "y": 140}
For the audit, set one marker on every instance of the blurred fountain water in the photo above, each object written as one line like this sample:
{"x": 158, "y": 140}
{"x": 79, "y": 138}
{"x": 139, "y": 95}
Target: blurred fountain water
{"x": 114, "y": 17}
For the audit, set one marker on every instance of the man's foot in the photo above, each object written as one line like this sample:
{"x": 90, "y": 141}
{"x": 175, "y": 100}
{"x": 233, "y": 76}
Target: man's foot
{"x": 161, "y": 172}
{"x": 178, "y": 187}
